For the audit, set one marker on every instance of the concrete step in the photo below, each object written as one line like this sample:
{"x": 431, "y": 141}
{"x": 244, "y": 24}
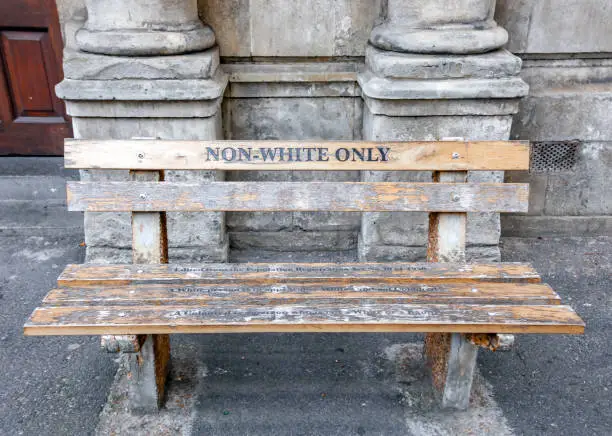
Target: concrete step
{"x": 32, "y": 188}
{"x": 38, "y": 218}
{"x": 33, "y": 198}
{"x": 35, "y": 166}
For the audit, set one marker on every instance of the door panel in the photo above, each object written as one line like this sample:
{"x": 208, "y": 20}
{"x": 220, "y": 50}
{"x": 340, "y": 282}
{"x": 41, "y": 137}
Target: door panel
{"x": 32, "y": 118}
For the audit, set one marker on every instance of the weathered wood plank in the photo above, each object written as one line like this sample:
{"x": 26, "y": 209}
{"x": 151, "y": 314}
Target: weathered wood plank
{"x": 297, "y": 196}
{"x": 170, "y": 294}
{"x": 149, "y": 238}
{"x": 450, "y": 356}
{"x": 305, "y": 318}
{"x": 246, "y": 274}
{"x": 447, "y": 231}
{"x": 297, "y": 155}
{"x": 150, "y": 365}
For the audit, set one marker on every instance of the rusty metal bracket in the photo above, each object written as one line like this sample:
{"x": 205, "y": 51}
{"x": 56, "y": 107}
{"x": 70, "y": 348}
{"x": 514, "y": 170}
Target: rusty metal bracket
{"x": 122, "y": 343}
{"x": 491, "y": 341}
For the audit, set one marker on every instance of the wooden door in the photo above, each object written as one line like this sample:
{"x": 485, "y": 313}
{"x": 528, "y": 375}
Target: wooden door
{"x": 32, "y": 119}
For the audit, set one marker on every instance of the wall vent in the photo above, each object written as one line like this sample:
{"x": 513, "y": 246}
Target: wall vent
{"x": 554, "y": 156}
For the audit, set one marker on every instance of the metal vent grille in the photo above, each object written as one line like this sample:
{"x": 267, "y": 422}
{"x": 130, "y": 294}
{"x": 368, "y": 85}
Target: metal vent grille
{"x": 554, "y": 156}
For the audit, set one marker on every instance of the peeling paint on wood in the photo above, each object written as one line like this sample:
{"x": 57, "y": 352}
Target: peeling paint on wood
{"x": 297, "y": 155}
{"x": 338, "y": 317}
{"x": 296, "y": 196}
{"x": 168, "y": 294}
{"x": 313, "y": 273}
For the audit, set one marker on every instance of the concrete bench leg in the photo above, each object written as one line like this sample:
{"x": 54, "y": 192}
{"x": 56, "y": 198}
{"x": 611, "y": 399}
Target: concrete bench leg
{"x": 148, "y": 369}
{"x": 452, "y": 358}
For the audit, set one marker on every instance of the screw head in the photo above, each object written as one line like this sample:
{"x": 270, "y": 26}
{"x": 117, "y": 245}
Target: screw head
{"x": 143, "y": 196}
{"x": 456, "y": 155}
{"x": 455, "y": 197}
{"x": 141, "y": 155}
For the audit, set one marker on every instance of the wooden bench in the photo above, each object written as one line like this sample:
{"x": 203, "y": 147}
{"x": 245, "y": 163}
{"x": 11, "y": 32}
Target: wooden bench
{"x": 460, "y": 306}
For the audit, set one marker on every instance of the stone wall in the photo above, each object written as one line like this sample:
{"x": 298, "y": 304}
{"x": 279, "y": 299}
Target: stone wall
{"x": 567, "y": 60}
{"x": 293, "y": 74}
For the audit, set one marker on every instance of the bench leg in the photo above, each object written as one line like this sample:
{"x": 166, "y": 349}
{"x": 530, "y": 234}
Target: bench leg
{"x": 148, "y": 369}
{"x": 452, "y": 358}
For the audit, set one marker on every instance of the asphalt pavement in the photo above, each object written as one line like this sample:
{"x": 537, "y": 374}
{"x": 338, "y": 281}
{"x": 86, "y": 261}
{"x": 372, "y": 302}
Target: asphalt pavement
{"x": 319, "y": 384}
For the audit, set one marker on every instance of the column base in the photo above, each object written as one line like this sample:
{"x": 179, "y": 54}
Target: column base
{"x": 145, "y": 42}
{"x": 473, "y": 38}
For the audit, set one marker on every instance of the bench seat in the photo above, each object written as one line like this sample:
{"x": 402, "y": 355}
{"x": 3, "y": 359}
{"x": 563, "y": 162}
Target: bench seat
{"x": 306, "y": 297}
{"x": 460, "y": 307}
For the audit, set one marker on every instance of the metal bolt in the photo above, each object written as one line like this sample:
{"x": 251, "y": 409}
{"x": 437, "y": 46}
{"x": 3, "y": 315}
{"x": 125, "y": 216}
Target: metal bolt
{"x": 455, "y": 197}
{"x": 456, "y": 155}
{"x": 140, "y": 155}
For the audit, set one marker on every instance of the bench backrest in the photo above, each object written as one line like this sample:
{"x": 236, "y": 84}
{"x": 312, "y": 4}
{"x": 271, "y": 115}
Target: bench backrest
{"x": 296, "y": 196}
{"x": 147, "y": 192}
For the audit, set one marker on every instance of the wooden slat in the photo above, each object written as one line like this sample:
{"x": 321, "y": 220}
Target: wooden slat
{"x": 447, "y": 231}
{"x": 297, "y": 196}
{"x": 449, "y": 355}
{"x": 247, "y": 274}
{"x": 149, "y": 234}
{"x": 319, "y": 155}
{"x": 170, "y": 294}
{"x": 305, "y": 318}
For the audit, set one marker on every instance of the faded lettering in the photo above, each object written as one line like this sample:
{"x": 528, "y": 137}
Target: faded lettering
{"x": 297, "y": 154}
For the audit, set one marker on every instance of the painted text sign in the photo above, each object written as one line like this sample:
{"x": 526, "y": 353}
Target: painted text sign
{"x": 297, "y": 155}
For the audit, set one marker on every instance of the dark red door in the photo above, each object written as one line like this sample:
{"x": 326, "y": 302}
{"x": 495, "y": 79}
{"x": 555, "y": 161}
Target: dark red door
{"x": 32, "y": 119}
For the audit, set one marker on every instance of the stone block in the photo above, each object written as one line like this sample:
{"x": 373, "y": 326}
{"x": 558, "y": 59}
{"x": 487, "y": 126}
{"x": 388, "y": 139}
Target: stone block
{"x": 556, "y": 26}
{"x": 482, "y": 253}
{"x": 293, "y": 72}
{"x": 208, "y": 253}
{"x": 428, "y": 13}
{"x": 537, "y": 188}
{"x": 304, "y": 28}
{"x": 462, "y": 88}
{"x": 143, "y": 90}
{"x": 108, "y": 229}
{"x": 293, "y": 90}
{"x": 470, "y": 38}
{"x": 199, "y": 235}
{"x": 422, "y": 108}
{"x": 394, "y": 228}
{"x": 556, "y": 226}
{"x": 311, "y": 27}
{"x": 231, "y": 21}
{"x": 294, "y": 241}
{"x": 390, "y": 253}
{"x": 326, "y": 221}
{"x": 195, "y": 229}
{"x": 155, "y": 27}
{"x": 164, "y": 128}
{"x": 495, "y": 64}
{"x": 568, "y": 100}
{"x": 259, "y": 221}
{"x": 389, "y": 236}
{"x": 353, "y": 23}
{"x": 484, "y": 228}
{"x": 143, "y": 109}
{"x": 434, "y": 128}
{"x": 580, "y": 112}
{"x": 108, "y": 255}
{"x": 80, "y": 65}
{"x": 292, "y": 118}
{"x": 585, "y": 191}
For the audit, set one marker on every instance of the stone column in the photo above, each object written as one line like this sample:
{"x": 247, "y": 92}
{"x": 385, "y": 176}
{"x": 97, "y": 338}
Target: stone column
{"x": 435, "y": 70}
{"x": 146, "y": 69}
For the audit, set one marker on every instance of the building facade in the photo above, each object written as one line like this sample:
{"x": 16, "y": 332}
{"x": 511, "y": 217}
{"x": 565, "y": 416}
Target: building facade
{"x": 539, "y": 70}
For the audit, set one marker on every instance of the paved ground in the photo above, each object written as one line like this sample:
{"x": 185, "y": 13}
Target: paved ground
{"x": 292, "y": 384}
